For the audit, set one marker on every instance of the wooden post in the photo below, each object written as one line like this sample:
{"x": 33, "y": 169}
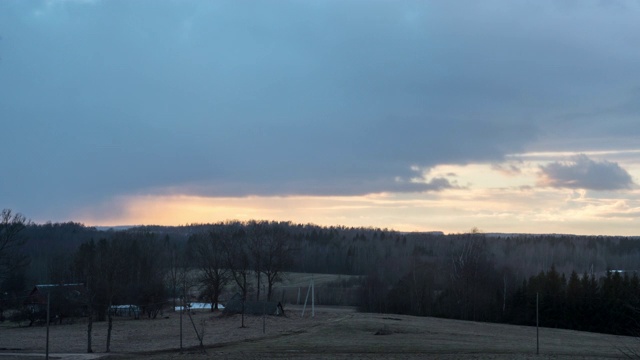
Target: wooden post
{"x": 184, "y": 304}
{"x": 90, "y": 328}
{"x": 313, "y": 298}
{"x": 48, "y": 317}
{"x": 109, "y": 327}
{"x": 537, "y": 327}
{"x": 242, "y": 325}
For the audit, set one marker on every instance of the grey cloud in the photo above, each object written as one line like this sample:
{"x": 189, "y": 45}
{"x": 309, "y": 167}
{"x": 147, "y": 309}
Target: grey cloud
{"x": 349, "y": 186}
{"x": 439, "y": 184}
{"x": 424, "y": 185}
{"x": 101, "y": 98}
{"x": 585, "y": 173}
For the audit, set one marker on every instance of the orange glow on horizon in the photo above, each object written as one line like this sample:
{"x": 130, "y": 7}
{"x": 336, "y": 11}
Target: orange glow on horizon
{"x": 494, "y": 197}
{"x": 510, "y": 211}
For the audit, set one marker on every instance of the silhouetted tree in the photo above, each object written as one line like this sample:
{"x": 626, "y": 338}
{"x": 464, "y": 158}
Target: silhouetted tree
{"x": 238, "y": 261}
{"x": 474, "y": 282}
{"x": 207, "y": 252}
{"x": 277, "y": 255}
{"x": 175, "y": 261}
{"x": 12, "y": 258}
{"x": 87, "y": 271}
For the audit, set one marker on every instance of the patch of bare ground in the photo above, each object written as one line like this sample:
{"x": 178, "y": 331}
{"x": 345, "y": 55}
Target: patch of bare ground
{"x": 337, "y": 333}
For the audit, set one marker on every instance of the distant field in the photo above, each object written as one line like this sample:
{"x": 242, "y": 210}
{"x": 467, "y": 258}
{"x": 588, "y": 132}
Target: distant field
{"x": 330, "y": 289}
{"x": 303, "y": 279}
{"x": 335, "y": 332}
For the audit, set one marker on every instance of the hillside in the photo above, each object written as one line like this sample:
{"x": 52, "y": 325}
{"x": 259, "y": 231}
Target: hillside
{"x": 335, "y": 332}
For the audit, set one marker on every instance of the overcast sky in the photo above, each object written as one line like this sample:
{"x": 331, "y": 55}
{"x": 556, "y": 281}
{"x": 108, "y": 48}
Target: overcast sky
{"x": 509, "y": 116}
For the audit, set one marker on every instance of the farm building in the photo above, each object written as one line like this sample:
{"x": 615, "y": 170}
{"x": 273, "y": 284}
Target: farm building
{"x": 66, "y": 300}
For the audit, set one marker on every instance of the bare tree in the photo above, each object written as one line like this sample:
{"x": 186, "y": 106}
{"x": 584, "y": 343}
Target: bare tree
{"x": 256, "y": 233}
{"x": 86, "y": 270}
{"x": 468, "y": 267}
{"x": 207, "y": 251}
{"x": 11, "y": 241}
{"x": 173, "y": 271}
{"x": 144, "y": 272}
{"x": 238, "y": 261}
{"x": 277, "y": 256}
{"x": 111, "y": 270}
{"x": 270, "y": 251}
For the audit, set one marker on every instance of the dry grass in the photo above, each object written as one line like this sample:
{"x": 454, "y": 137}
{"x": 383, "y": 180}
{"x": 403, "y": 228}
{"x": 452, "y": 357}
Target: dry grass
{"x": 337, "y": 333}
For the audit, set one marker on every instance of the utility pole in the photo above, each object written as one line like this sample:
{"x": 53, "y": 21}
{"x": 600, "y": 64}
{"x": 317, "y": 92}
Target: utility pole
{"x": 537, "y": 326}
{"x": 184, "y": 305}
{"x": 48, "y": 317}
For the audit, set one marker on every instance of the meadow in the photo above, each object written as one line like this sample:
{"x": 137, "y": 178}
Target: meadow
{"x": 334, "y": 332}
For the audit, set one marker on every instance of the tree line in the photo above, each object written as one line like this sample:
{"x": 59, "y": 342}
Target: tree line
{"x": 471, "y": 276}
{"x": 470, "y": 285}
{"x": 606, "y": 303}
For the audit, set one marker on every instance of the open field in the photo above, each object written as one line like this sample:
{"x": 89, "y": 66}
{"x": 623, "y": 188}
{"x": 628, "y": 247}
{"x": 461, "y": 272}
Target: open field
{"x": 329, "y": 288}
{"x": 337, "y": 333}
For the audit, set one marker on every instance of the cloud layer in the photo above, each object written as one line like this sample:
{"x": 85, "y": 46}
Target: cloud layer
{"x": 584, "y": 173}
{"x": 110, "y": 98}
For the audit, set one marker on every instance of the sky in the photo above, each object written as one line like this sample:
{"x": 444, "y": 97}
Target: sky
{"x": 508, "y": 116}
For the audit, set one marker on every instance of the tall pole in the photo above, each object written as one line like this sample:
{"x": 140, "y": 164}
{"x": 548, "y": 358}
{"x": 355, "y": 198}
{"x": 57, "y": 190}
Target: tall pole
{"x": 304, "y": 307}
{"x": 537, "y": 327}
{"x": 48, "y": 317}
{"x": 184, "y": 304}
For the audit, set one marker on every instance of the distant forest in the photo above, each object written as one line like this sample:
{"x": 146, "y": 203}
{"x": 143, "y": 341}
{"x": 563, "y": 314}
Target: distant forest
{"x": 582, "y": 282}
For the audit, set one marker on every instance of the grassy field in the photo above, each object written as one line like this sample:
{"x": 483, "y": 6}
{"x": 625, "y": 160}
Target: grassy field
{"x": 330, "y": 289}
{"x": 335, "y": 332}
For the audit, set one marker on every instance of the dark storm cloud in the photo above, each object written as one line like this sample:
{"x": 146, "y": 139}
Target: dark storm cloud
{"x": 585, "y": 173}
{"x": 99, "y": 98}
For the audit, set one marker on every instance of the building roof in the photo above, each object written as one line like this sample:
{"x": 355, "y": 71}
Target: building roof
{"x": 38, "y": 294}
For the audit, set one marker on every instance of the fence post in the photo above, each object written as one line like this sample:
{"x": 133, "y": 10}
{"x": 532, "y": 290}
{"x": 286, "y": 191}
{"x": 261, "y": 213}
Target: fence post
{"x": 537, "y": 326}
{"x": 48, "y": 318}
